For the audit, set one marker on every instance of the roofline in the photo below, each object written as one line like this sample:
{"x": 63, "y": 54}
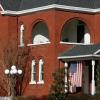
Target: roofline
{"x": 64, "y": 7}
{"x": 79, "y": 56}
{"x": 97, "y": 51}
{"x": 1, "y": 7}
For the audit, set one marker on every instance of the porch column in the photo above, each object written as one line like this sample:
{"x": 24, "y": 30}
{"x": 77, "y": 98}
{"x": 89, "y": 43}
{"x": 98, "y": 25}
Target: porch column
{"x": 93, "y": 80}
{"x": 66, "y": 78}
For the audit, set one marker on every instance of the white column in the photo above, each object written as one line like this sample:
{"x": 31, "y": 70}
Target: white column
{"x": 66, "y": 78}
{"x": 87, "y": 38}
{"x": 22, "y": 35}
{"x": 93, "y": 80}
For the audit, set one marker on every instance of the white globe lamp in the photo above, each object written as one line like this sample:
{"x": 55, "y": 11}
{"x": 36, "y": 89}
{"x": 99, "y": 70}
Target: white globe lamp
{"x": 14, "y": 71}
{"x": 19, "y": 72}
{"x": 7, "y": 71}
{"x": 11, "y": 72}
{"x": 13, "y": 67}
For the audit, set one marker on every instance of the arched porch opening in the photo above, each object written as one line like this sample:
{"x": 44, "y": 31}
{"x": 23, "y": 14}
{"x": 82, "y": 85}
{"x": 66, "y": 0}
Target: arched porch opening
{"x": 75, "y": 31}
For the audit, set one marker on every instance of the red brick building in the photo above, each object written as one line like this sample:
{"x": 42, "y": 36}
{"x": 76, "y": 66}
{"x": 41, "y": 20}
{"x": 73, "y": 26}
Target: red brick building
{"x": 49, "y": 28}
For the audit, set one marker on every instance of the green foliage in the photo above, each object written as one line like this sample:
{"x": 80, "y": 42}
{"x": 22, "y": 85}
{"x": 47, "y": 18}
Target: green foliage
{"x": 58, "y": 84}
{"x": 57, "y": 88}
{"x": 57, "y": 96}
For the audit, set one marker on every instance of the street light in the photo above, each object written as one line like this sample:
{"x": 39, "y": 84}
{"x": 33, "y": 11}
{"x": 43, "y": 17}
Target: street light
{"x": 13, "y": 73}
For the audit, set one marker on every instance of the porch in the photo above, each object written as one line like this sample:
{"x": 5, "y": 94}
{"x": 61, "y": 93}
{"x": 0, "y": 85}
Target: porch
{"x": 89, "y": 56}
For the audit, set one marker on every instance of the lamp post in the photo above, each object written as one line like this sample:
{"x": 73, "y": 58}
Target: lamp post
{"x": 13, "y": 73}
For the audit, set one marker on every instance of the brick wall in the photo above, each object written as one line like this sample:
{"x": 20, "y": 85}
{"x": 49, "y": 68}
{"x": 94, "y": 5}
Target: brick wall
{"x": 55, "y": 21}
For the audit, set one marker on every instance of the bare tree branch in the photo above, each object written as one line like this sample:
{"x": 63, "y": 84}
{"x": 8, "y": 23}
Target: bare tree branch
{"x": 13, "y": 55}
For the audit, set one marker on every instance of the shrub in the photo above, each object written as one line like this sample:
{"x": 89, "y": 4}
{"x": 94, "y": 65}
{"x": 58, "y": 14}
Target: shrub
{"x": 57, "y": 88}
{"x": 57, "y": 96}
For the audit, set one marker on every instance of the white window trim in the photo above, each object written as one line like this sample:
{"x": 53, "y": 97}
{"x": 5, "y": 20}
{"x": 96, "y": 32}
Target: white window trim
{"x": 38, "y": 44}
{"x": 21, "y": 35}
{"x": 40, "y": 82}
{"x": 32, "y": 82}
{"x": 41, "y": 63}
{"x": 32, "y": 71}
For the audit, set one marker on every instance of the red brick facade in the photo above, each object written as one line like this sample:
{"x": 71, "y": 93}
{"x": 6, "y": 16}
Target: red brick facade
{"x": 55, "y": 20}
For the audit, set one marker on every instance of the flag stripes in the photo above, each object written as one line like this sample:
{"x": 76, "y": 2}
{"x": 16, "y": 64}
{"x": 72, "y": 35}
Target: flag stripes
{"x": 76, "y": 77}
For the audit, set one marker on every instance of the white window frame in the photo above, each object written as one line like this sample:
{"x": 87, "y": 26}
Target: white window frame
{"x": 33, "y": 72}
{"x": 22, "y": 35}
{"x": 41, "y": 72}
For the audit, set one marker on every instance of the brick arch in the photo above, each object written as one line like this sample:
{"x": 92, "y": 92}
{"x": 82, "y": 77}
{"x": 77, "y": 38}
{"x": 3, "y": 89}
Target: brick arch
{"x": 86, "y": 22}
{"x": 37, "y": 21}
{"x": 33, "y": 58}
{"x": 20, "y": 23}
{"x": 41, "y": 57}
{"x": 83, "y": 20}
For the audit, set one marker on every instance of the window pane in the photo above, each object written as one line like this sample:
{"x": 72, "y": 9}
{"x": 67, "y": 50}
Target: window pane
{"x": 33, "y": 71}
{"x": 42, "y": 72}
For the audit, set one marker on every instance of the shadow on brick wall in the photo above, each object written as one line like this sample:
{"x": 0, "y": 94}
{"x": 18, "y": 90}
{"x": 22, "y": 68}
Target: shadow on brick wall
{"x": 31, "y": 98}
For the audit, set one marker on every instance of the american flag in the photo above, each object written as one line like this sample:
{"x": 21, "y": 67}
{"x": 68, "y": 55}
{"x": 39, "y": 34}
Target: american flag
{"x": 75, "y": 74}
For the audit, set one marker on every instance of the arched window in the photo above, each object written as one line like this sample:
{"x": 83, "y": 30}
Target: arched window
{"x": 22, "y": 35}
{"x": 74, "y": 31}
{"x": 33, "y": 72}
{"x": 41, "y": 71}
{"x": 40, "y": 33}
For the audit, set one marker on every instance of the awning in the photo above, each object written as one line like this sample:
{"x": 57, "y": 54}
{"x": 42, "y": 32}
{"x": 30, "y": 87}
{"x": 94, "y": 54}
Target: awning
{"x": 81, "y": 52}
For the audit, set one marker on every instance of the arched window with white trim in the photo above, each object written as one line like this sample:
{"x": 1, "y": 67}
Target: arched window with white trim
{"x": 22, "y": 35}
{"x": 33, "y": 72}
{"x": 40, "y": 33}
{"x": 41, "y": 72}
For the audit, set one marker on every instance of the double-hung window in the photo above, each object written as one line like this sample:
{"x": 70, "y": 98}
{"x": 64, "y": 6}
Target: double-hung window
{"x": 22, "y": 35}
{"x": 33, "y": 72}
{"x": 41, "y": 71}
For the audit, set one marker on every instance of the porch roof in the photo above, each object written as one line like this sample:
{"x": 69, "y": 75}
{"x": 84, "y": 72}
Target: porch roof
{"x": 81, "y": 52}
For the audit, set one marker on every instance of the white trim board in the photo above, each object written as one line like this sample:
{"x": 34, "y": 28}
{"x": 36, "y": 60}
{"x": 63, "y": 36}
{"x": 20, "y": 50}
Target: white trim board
{"x": 64, "y": 7}
{"x": 1, "y": 7}
{"x": 74, "y": 43}
{"x": 79, "y": 56}
{"x": 97, "y": 51}
{"x": 38, "y": 44}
